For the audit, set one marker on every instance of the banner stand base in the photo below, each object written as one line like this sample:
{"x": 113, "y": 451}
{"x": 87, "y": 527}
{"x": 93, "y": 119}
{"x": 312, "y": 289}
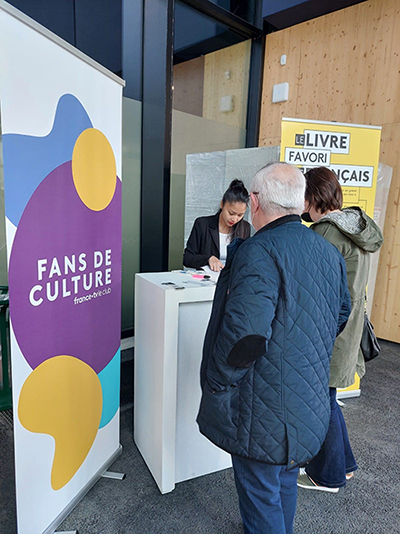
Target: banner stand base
{"x": 348, "y": 394}
{"x": 114, "y": 476}
{"x": 79, "y": 496}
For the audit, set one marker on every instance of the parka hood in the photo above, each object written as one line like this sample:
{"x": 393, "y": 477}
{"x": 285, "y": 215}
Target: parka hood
{"x": 357, "y": 226}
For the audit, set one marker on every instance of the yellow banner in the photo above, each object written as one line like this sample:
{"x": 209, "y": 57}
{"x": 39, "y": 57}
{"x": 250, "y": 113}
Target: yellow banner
{"x": 350, "y": 150}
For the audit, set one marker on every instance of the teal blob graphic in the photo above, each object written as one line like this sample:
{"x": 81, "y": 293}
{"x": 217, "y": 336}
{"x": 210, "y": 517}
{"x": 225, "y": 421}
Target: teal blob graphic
{"x": 110, "y": 379}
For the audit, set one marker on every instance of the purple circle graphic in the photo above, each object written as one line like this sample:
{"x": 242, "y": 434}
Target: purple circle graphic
{"x": 65, "y": 275}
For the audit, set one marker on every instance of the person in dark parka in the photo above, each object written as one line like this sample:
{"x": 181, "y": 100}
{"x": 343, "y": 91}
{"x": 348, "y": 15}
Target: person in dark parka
{"x": 210, "y": 235}
{"x": 280, "y": 302}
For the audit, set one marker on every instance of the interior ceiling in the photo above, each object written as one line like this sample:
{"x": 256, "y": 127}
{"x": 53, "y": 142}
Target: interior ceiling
{"x": 304, "y": 11}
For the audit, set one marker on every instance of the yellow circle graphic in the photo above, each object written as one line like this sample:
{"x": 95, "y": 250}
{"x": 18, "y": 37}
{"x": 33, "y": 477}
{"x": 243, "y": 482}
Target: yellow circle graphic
{"x": 93, "y": 169}
{"x": 63, "y": 397}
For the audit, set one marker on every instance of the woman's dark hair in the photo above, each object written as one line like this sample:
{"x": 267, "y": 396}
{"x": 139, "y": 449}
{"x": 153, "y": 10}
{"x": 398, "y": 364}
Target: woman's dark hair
{"x": 323, "y": 190}
{"x": 237, "y": 192}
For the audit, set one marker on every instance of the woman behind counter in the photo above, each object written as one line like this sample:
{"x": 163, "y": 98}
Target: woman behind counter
{"x": 356, "y": 236}
{"x": 211, "y": 235}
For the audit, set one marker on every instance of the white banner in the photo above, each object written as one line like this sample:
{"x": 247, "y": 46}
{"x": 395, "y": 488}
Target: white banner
{"x": 61, "y": 124}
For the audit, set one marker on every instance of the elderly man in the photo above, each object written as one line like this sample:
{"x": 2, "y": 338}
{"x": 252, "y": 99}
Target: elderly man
{"x": 279, "y": 304}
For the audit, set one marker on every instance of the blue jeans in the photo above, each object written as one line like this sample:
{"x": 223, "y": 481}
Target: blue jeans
{"x": 267, "y": 496}
{"x": 335, "y": 458}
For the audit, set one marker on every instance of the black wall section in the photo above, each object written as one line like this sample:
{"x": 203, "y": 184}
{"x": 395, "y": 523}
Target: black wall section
{"x": 255, "y": 82}
{"x": 156, "y": 133}
{"x": 93, "y": 26}
{"x": 255, "y": 90}
{"x": 235, "y": 23}
{"x": 57, "y": 15}
{"x": 98, "y": 31}
{"x": 280, "y": 15}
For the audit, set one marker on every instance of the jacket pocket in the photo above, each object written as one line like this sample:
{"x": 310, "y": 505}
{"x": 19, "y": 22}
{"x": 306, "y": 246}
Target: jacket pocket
{"x": 221, "y": 407}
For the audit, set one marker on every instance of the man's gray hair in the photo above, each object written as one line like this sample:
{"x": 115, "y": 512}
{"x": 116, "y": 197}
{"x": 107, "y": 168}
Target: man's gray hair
{"x": 280, "y": 187}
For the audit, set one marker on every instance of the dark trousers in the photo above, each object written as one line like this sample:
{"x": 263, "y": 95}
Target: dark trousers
{"x": 267, "y": 496}
{"x": 335, "y": 458}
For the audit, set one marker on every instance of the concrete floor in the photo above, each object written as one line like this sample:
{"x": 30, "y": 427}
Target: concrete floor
{"x": 369, "y": 504}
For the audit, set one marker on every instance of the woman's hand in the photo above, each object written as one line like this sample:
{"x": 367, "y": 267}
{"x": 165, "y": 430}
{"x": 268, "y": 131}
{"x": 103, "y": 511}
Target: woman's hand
{"x": 215, "y": 264}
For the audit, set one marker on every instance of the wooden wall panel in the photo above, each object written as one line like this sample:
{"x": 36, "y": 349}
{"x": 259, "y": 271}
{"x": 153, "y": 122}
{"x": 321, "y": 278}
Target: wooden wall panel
{"x": 188, "y": 86}
{"x": 236, "y": 60}
{"x": 277, "y": 44}
{"x": 386, "y": 305}
{"x": 345, "y": 67}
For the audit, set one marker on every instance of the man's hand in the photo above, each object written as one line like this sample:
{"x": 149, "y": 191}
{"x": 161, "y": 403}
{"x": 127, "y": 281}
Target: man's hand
{"x": 215, "y": 264}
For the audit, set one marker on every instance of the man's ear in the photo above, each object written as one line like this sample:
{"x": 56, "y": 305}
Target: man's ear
{"x": 255, "y": 201}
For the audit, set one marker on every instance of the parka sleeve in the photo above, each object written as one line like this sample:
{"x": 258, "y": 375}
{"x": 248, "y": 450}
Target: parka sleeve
{"x": 249, "y": 313}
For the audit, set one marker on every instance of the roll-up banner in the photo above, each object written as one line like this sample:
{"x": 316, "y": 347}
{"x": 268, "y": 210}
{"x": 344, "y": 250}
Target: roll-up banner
{"x": 351, "y": 151}
{"x": 61, "y": 126}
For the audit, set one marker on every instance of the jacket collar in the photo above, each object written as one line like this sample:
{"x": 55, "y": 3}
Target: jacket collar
{"x": 278, "y": 222}
{"x": 214, "y": 228}
{"x": 214, "y": 223}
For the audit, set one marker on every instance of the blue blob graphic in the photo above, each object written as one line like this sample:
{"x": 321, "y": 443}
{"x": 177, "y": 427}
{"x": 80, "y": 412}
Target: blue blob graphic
{"x": 110, "y": 378}
{"x": 28, "y": 160}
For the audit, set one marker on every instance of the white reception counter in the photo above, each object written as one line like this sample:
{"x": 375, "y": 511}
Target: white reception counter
{"x": 170, "y": 325}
